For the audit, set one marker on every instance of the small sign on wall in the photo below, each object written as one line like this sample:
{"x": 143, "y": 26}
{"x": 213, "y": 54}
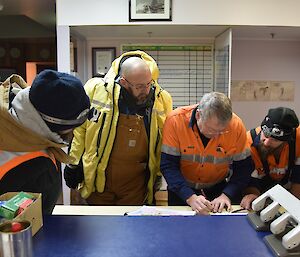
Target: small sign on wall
{"x": 102, "y": 59}
{"x": 259, "y": 90}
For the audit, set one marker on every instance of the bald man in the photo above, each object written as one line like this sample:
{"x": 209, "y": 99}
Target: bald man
{"x": 118, "y": 156}
{"x": 136, "y": 78}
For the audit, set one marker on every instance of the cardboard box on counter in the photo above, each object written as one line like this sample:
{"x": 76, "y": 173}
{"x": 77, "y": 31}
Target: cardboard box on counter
{"x": 32, "y": 213}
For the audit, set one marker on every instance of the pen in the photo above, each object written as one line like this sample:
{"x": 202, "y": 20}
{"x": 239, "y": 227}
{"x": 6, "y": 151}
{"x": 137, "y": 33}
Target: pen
{"x": 238, "y": 210}
{"x": 203, "y": 193}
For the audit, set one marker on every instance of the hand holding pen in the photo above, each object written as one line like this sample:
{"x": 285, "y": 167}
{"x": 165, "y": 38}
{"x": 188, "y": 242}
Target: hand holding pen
{"x": 200, "y": 204}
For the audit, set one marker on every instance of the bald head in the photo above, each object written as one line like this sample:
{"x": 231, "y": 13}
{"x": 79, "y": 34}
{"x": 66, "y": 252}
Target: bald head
{"x": 134, "y": 65}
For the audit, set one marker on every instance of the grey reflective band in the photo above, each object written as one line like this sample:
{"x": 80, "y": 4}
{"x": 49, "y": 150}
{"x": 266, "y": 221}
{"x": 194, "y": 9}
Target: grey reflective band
{"x": 198, "y": 186}
{"x": 102, "y": 104}
{"x": 81, "y": 118}
{"x": 208, "y": 158}
{"x": 241, "y": 156}
{"x": 170, "y": 150}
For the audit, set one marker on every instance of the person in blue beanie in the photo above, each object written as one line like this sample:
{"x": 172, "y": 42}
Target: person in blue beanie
{"x": 39, "y": 122}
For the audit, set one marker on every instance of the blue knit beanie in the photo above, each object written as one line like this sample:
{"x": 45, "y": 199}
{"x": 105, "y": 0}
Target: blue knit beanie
{"x": 60, "y": 99}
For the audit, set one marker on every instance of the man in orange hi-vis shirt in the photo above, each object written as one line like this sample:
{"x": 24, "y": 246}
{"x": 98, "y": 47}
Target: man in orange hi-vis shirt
{"x": 275, "y": 150}
{"x": 205, "y": 157}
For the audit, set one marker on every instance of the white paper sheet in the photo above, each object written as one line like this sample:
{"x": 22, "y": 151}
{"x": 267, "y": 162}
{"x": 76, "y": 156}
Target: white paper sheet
{"x": 154, "y": 211}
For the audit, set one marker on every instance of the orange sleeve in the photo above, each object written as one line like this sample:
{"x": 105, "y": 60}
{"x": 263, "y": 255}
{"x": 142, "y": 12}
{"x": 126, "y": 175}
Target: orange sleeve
{"x": 170, "y": 138}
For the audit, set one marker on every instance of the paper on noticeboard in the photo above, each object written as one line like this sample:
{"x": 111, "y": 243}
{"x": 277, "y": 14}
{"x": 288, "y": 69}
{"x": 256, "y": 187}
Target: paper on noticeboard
{"x": 154, "y": 211}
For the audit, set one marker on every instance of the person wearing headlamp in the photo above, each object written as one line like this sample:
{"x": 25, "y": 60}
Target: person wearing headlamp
{"x": 40, "y": 121}
{"x": 275, "y": 150}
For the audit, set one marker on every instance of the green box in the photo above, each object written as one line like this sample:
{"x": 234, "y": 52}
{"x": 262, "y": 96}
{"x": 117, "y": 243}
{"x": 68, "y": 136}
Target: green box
{"x": 10, "y": 208}
{"x": 8, "y": 213}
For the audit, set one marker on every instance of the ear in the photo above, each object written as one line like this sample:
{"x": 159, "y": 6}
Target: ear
{"x": 122, "y": 82}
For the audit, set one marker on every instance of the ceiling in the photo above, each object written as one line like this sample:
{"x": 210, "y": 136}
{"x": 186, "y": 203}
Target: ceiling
{"x": 37, "y": 18}
{"x": 40, "y": 11}
{"x": 27, "y": 19}
{"x": 151, "y": 31}
{"x": 187, "y": 31}
{"x": 266, "y": 32}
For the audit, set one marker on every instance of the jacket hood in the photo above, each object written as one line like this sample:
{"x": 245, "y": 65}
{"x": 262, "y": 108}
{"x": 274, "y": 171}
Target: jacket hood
{"x": 25, "y": 113}
{"x": 114, "y": 70}
{"x": 9, "y": 88}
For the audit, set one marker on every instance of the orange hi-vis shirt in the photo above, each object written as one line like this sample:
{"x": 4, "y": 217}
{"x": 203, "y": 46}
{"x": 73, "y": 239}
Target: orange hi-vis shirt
{"x": 278, "y": 170}
{"x": 198, "y": 164}
{"x": 10, "y": 160}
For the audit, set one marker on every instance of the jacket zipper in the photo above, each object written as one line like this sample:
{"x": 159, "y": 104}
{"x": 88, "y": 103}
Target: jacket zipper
{"x": 157, "y": 141}
{"x": 100, "y": 132}
{"x": 110, "y": 125}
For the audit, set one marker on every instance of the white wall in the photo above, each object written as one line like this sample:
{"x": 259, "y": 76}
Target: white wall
{"x": 203, "y": 12}
{"x": 265, "y": 60}
{"x": 251, "y": 60}
{"x": 146, "y": 41}
{"x": 189, "y": 12}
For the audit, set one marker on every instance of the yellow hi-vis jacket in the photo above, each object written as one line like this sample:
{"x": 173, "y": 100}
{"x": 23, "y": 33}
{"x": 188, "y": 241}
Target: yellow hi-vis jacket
{"x": 93, "y": 141}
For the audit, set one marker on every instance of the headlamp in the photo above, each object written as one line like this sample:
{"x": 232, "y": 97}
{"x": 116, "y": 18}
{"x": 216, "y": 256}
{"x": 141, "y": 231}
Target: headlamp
{"x": 275, "y": 131}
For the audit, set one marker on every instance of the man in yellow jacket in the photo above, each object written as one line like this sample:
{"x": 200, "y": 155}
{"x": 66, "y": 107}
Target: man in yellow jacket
{"x": 119, "y": 154}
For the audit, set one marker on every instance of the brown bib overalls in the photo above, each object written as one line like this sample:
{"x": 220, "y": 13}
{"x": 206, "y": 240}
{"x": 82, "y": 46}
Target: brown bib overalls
{"x": 126, "y": 170}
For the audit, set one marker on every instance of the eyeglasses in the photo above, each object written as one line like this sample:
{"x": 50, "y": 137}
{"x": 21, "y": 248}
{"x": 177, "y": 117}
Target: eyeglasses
{"x": 141, "y": 86}
{"x": 215, "y": 132}
{"x": 209, "y": 130}
{"x": 275, "y": 131}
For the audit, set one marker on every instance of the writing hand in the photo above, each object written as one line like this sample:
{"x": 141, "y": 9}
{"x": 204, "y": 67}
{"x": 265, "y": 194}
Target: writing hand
{"x": 199, "y": 204}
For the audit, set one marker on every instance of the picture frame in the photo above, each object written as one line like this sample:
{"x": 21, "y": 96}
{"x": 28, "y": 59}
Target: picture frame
{"x": 102, "y": 58}
{"x": 150, "y": 10}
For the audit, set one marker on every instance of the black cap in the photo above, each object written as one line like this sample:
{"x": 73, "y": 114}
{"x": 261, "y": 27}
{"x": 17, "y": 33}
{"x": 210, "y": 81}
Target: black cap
{"x": 280, "y": 123}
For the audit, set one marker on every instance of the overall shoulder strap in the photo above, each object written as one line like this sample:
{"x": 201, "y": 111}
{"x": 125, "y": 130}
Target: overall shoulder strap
{"x": 253, "y": 134}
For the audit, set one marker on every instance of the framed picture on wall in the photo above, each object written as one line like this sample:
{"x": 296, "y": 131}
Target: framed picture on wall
{"x": 150, "y": 10}
{"x": 102, "y": 58}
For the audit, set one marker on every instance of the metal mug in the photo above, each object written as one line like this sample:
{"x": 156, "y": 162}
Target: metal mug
{"x": 15, "y": 239}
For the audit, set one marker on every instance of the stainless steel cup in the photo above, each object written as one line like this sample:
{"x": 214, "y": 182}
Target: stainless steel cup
{"x": 15, "y": 239}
